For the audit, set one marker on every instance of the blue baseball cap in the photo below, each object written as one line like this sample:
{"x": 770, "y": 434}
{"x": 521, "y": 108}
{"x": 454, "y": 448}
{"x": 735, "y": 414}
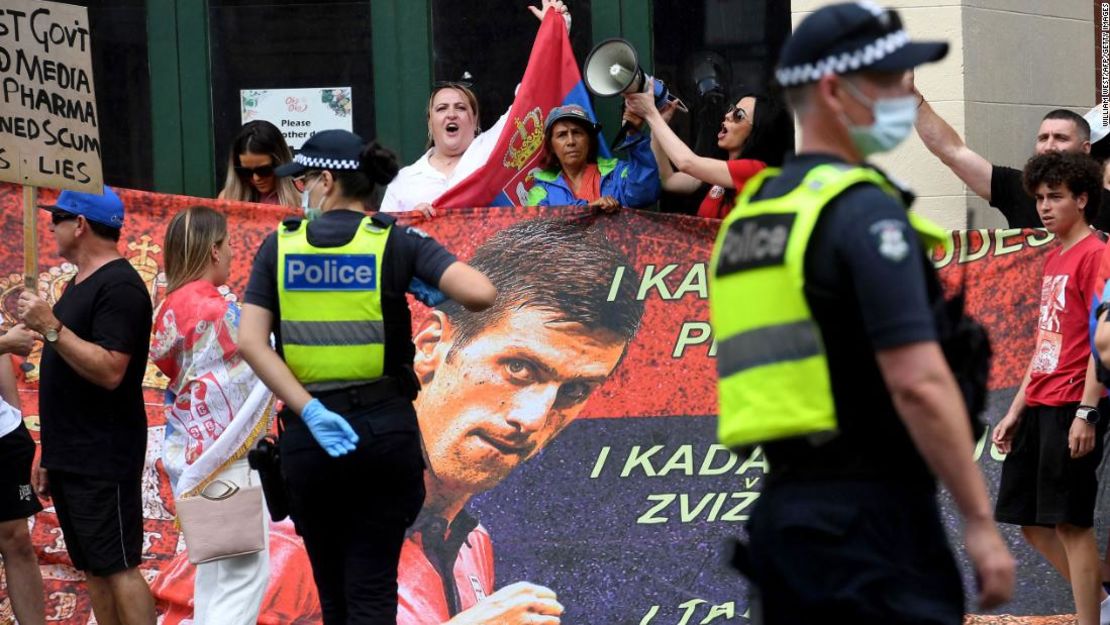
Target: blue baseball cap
{"x": 851, "y": 37}
{"x": 106, "y": 209}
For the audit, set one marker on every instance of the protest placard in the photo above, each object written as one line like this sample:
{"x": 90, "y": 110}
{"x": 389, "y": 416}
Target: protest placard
{"x": 49, "y": 128}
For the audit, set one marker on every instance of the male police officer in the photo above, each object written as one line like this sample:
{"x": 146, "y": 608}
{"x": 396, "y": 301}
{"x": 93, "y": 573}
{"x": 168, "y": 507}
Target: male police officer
{"x": 829, "y": 355}
{"x": 333, "y": 292}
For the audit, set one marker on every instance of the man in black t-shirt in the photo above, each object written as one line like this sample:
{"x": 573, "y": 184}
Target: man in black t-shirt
{"x": 91, "y": 404}
{"x": 1061, "y": 130}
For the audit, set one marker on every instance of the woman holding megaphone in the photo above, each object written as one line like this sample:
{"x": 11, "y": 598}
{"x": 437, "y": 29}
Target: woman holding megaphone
{"x": 756, "y": 132}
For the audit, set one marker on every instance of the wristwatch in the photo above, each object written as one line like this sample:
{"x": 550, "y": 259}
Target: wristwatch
{"x": 1088, "y": 414}
{"x": 51, "y": 334}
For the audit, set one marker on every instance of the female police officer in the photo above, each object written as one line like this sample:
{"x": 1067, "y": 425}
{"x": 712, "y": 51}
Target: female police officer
{"x": 332, "y": 289}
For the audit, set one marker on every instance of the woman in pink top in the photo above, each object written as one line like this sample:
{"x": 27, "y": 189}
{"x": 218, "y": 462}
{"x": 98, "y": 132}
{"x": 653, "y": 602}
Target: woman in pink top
{"x": 257, "y": 150}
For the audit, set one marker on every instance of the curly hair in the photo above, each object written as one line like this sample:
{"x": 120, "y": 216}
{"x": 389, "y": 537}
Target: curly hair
{"x": 1080, "y": 173}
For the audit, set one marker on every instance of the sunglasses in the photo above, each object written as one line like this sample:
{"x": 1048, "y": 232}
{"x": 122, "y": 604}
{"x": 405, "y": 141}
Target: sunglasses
{"x": 57, "y": 217}
{"x": 262, "y": 172}
{"x": 736, "y": 113}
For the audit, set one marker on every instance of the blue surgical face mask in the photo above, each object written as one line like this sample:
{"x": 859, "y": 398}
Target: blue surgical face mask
{"x": 309, "y": 212}
{"x": 894, "y": 119}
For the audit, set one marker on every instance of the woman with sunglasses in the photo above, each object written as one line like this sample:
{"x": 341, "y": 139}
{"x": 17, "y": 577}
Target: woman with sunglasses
{"x": 257, "y": 150}
{"x": 457, "y": 147}
{"x": 756, "y": 132}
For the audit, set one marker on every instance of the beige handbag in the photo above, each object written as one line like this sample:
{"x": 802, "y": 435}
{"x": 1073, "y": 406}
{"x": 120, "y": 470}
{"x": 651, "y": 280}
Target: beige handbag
{"x": 223, "y": 521}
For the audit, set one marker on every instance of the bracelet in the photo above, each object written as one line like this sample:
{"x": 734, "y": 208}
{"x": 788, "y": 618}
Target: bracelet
{"x": 921, "y": 101}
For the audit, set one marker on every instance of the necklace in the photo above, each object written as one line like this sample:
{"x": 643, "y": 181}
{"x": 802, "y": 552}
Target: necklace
{"x": 445, "y": 161}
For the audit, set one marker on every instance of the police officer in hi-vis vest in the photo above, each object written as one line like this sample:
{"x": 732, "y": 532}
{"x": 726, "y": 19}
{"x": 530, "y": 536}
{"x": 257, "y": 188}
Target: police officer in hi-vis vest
{"x": 331, "y": 288}
{"x": 821, "y": 300}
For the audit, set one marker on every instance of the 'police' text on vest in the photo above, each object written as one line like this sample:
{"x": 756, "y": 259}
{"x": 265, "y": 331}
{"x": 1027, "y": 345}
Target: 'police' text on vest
{"x": 330, "y": 272}
{"x": 755, "y": 242}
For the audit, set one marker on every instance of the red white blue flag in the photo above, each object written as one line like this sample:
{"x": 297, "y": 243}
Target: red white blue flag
{"x": 551, "y": 79}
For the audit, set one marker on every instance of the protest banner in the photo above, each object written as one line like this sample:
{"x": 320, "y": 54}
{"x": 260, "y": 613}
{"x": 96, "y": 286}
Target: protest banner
{"x": 620, "y": 499}
{"x": 551, "y": 79}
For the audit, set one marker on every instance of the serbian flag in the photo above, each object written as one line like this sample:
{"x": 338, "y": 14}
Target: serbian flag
{"x": 551, "y": 79}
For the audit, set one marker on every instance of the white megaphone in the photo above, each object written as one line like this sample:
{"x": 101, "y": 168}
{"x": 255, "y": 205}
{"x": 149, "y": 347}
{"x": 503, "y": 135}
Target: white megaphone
{"x": 612, "y": 68}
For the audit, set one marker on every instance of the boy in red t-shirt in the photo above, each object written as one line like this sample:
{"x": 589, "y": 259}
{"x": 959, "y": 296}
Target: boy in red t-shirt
{"x": 1052, "y": 434}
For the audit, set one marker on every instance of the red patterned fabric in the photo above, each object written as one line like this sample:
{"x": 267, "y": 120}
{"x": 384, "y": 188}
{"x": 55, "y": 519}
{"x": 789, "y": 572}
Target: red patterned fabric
{"x": 668, "y": 371}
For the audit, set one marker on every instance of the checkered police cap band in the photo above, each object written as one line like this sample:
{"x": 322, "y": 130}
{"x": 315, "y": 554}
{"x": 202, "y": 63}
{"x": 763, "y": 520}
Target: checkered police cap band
{"x": 337, "y": 164}
{"x": 845, "y": 62}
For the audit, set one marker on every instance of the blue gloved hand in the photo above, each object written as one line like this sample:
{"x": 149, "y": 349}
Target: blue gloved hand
{"x": 427, "y": 295}
{"x": 329, "y": 429}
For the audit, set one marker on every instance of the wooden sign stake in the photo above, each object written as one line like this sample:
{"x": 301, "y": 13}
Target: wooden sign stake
{"x": 30, "y": 239}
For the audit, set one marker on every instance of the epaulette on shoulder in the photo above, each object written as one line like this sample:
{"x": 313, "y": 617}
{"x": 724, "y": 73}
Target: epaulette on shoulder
{"x": 291, "y": 224}
{"x": 384, "y": 220}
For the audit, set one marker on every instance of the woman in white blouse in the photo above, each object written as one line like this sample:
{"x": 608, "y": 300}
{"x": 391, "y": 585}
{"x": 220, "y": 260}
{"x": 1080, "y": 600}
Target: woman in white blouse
{"x": 457, "y": 147}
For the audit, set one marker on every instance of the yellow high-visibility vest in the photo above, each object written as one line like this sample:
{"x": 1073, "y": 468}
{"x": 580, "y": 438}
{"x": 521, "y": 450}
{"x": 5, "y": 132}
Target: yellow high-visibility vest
{"x": 331, "y": 305}
{"x": 773, "y": 378}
